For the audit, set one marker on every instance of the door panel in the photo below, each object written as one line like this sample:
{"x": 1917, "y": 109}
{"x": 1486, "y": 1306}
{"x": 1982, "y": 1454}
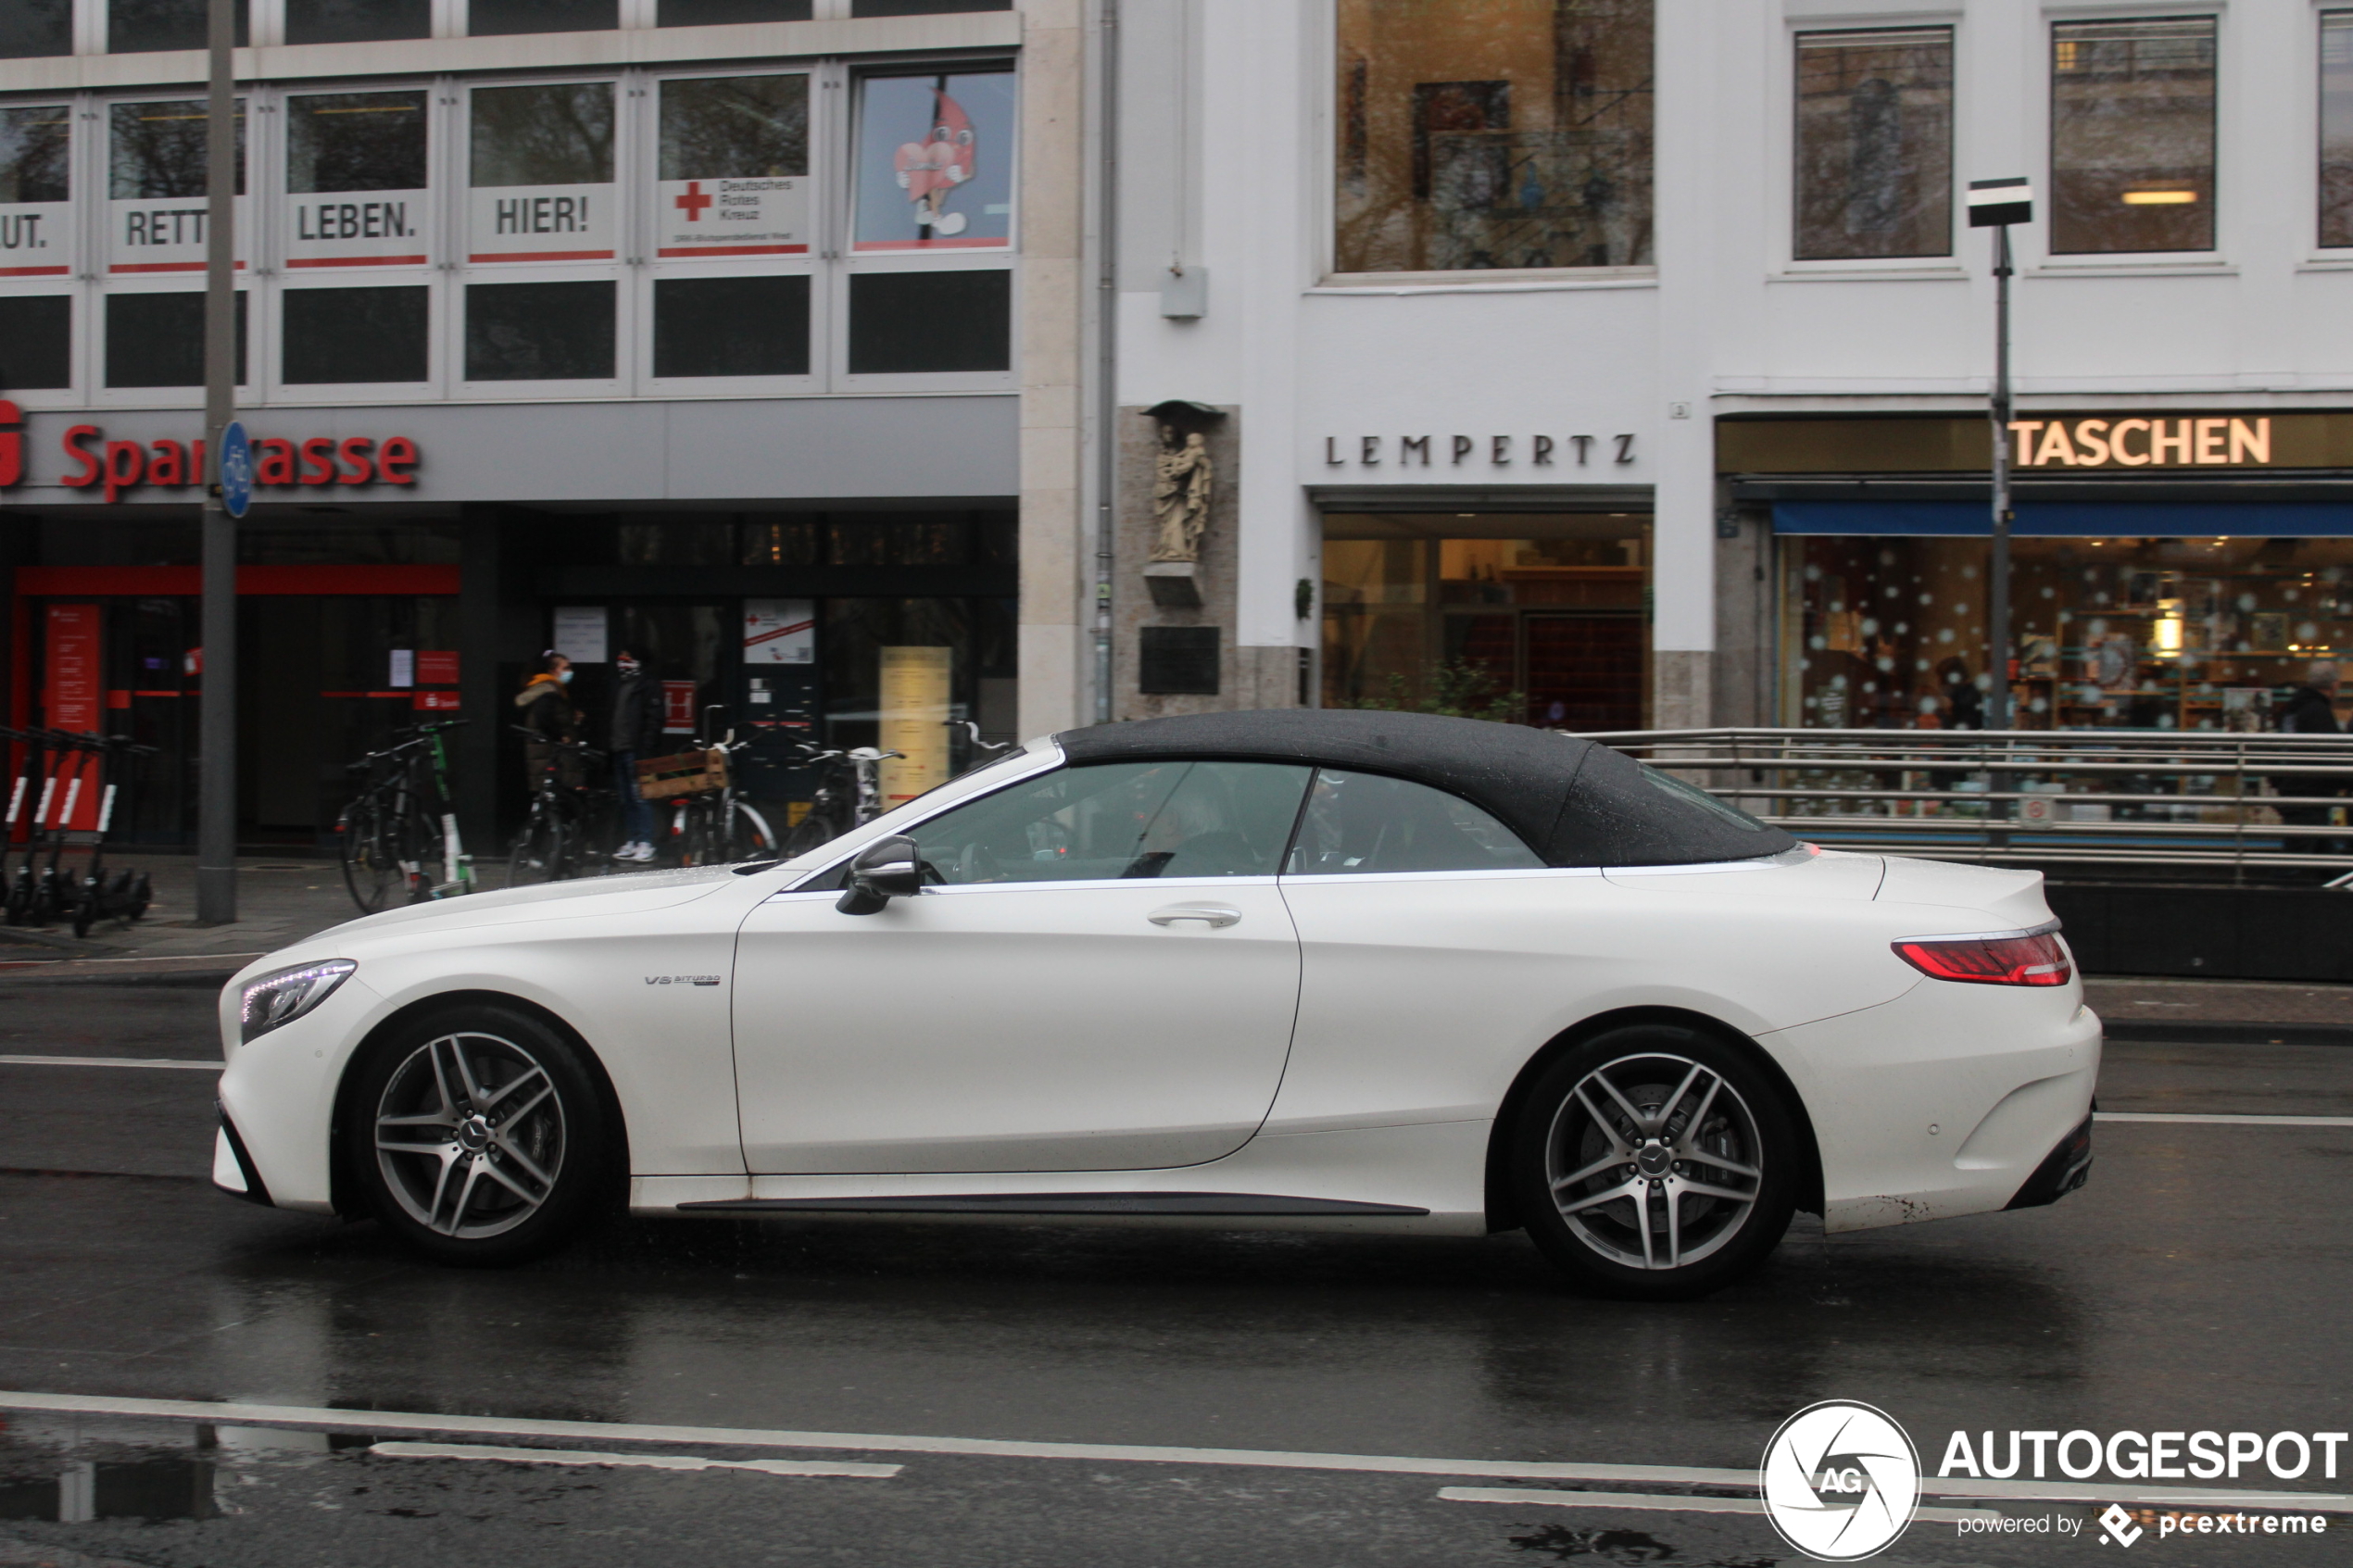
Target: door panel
{"x": 1031, "y": 1026}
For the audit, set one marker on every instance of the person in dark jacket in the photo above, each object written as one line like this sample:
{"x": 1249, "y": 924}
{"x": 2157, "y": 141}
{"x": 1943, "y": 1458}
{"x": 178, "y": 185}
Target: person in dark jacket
{"x": 636, "y": 732}
{"x": 2313, "y": 712}
{"x": 548, "y": 714}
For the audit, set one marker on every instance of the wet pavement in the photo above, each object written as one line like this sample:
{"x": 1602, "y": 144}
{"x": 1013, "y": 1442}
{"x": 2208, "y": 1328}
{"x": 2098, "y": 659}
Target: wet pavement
{"x": 2198, "y": 1282}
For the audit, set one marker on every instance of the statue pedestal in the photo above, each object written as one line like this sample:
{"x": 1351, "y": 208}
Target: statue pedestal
{"x": 1174, "y": 585}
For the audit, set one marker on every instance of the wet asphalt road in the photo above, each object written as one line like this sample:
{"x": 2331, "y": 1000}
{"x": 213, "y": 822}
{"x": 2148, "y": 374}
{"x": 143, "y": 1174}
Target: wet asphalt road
{"x": 2201, "y": 1281}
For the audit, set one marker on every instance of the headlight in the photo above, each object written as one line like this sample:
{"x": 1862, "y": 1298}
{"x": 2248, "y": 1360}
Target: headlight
{"x": 287, "y": 995}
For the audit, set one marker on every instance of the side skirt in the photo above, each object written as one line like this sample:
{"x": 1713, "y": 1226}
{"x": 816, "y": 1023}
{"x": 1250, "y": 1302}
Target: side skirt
{"x": 1188, "y": 1204}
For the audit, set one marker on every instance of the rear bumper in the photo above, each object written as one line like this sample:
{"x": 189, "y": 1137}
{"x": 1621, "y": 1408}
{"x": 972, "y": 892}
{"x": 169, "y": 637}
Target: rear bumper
{"x": 2067, "y": 1167}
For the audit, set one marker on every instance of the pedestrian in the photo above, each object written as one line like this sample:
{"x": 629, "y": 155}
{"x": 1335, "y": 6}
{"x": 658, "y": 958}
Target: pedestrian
{"x": 636, "y": 732}
{"x": 2311, "y": 711}
{"x": 550, "y": 717}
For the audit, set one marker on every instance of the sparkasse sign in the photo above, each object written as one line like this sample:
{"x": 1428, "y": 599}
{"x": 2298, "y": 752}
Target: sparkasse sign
{"x": 119, "y": 465}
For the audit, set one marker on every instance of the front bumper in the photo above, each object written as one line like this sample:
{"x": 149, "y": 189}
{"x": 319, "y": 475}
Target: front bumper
{"x": 2067, "y": 1167}
{"x": 233, "y": 1168}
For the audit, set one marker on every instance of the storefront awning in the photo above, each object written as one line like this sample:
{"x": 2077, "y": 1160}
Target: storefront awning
{"x": 2142, "y": 519}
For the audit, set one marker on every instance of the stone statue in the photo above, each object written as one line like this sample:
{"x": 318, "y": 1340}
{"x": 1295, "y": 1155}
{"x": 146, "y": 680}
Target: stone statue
{"x": 1183, "y": 476}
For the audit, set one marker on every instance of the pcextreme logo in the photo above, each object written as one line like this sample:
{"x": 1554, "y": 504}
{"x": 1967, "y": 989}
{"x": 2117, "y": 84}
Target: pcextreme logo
{"x": 1840, "y": 1481}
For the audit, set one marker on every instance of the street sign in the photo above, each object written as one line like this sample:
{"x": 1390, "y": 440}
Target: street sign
{"x": 236, "y": 470}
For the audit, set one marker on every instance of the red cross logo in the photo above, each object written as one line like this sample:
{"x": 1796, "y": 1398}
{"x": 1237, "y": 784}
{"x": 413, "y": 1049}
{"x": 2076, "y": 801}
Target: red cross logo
{"x": 694, "y": 201}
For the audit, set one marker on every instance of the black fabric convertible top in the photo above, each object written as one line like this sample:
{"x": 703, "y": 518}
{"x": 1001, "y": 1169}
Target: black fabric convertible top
{"x": 1573, "y": 801}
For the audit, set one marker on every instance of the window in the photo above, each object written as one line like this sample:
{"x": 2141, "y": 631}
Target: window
{"x": 1493, "y": 133}
{"x": 157, "y": 151}
{"x": 936, "y": 161}
{"x": 368, "y": 334}
{"x": 356, "y": 21}
{"x": 35, "y": 165}
{"x": 140, "y": 26}
{"x": 710, "y": 13}
{"x": 1178, "y": 661}
{"x": 923, "y": 7}
{"x": 35, "y": 27}
{"x": 542, "y": 173}
{"x": 1874, "y": 143}
{"x": 938, "y": 321}
{"x": 1121, "y": 820}
{"x": 357, "y": 163}
{"x": 485, "y": 18}
{"x": 2336, "y": 128}
{"x": 731, "y": 326}
{"x": 158, "y": 339}
{"x": 539, "y": 332}
{"x": 1364, "y": 823}
{"x": 735, "y": 167}
{"x": 36, "y": 342}
{"x": 2133, "y": 136}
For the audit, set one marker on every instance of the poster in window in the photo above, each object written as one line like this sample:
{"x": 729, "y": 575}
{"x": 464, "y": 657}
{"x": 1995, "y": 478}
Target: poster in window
{"x": 735, "y": 167}
{"x": 936, "y": 161}
{"x": 914, "y": 721}
{"x": 780, "y": 630}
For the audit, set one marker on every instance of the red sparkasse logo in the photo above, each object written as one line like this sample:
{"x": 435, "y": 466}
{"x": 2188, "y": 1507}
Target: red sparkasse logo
{"x": 279, "y": 463}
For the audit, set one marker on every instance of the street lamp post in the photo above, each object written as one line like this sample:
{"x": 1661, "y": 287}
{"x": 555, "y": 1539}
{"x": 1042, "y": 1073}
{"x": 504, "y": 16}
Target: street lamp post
{"x": 217, "y": 722}
{"x": 1995, "y": 205}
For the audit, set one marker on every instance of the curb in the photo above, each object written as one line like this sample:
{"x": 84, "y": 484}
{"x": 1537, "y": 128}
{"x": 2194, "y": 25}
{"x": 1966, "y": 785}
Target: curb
{"x": 180, "y": 967}
{"x": 2132, "y": 1031}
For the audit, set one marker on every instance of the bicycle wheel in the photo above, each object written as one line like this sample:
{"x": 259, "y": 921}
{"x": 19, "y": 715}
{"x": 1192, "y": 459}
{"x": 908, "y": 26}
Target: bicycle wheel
{"x": 749, "y": 837}
{"x": 808, "y": 833}
{"x": 692, "y": 834}
{"x": 540, "y": 850}
{"x": 370, "y": 858}
{"x": 421, "y": 856}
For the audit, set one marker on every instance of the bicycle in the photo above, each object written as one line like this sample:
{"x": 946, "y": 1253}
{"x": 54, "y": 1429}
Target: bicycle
{"x": 401, "y": 830}
{"x": 569, "y": 827}
{"x": 834, "y": 810}
{"x": 717, "y": 826}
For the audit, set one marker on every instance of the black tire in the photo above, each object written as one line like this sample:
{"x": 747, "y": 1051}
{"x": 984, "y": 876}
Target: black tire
{"x": 143, "y": 894}
{"x": 1690, "y": 1111}
{"x": 370, "y": 860}
{"x": 86, "y": 911}
{"x": 539, "y": 852}
{"x": 497, "y": 1172}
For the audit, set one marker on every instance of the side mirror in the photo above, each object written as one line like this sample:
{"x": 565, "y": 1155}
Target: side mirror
{"x": 886, "y": 869}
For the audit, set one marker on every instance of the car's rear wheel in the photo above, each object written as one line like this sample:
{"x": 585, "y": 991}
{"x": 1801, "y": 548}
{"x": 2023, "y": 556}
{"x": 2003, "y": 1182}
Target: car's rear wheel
{"x": 478, "y": 1135}
{"x": 1654, "y": 1161}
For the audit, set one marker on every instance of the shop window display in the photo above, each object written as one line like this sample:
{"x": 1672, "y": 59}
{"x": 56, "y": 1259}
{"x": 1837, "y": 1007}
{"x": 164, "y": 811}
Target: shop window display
{"x": 1493, "y": 133}
{"x": 2133, "y": 135}
{"x": 1550, "y": 629}
{"x": 1874, "y": 143}
{"x": 2206, "y": 634}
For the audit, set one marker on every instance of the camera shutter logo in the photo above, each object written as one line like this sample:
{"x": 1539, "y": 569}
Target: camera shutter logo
{"x": 1840, "y": 1481}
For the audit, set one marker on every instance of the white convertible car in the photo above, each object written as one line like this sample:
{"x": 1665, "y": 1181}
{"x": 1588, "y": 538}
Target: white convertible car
{"x": 1329, "y": 971}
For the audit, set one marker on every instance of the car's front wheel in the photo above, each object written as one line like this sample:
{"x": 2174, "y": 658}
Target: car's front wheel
{"x": 1654, "y": 1161}
{"x": 478, "y": 1135}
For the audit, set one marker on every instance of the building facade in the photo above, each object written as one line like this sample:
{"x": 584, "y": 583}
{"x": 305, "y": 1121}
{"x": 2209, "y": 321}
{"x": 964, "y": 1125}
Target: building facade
{"x": 1620, "y": 364}
{"x": 744, "y": 334}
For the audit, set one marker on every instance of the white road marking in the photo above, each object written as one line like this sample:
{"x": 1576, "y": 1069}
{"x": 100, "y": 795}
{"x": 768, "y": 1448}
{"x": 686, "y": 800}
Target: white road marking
{"x": 311, "y": 1419}
{"x": 1660, "y": 1503}
{"x": 2223, "y": 1121}
{"x": 109, "y": 1062}
{"x": 648, "y": 1461}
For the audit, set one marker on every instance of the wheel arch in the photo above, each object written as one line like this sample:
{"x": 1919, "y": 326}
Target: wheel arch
{"x": 1503, "y": 1212}
{"x": 343, "y": 1188}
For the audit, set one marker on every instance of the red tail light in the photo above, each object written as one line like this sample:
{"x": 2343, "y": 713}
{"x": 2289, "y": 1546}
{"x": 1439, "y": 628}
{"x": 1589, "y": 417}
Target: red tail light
{"x": 2008, "y": 958}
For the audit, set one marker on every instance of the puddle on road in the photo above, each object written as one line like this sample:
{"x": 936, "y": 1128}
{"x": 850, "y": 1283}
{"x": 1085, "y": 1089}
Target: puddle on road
{"x": 143, "y": 1489}
{"x": 131, "y": 1472}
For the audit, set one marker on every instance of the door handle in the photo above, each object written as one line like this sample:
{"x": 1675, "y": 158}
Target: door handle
{"x": 1215, "y": 914}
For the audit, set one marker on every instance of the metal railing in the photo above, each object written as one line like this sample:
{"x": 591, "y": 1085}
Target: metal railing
{"x": 2240, "y": 803}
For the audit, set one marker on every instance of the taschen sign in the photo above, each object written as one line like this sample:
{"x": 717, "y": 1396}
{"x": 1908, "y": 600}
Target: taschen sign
{"x": 116, "y": 467}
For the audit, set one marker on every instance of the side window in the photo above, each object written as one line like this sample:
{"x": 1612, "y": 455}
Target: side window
{"x": 1364, "y": 823}
{"x": 1121, "y": 820}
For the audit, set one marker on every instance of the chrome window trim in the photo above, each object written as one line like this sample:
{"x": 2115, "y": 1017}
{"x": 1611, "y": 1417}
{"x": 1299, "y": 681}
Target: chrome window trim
{"x": 2048, "y": 928}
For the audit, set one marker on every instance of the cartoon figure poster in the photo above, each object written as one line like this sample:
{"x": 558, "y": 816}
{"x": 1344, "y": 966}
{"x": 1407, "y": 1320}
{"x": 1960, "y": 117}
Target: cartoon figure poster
{"x": 935, "y": 161}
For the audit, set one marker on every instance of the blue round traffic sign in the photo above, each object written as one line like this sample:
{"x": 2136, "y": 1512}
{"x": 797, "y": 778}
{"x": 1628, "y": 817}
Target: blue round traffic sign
{"x": 236, "y": 470}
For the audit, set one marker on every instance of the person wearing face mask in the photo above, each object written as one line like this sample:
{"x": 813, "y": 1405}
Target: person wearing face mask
{"x": 549, "y": 716}
{"x": 636, "y": 732}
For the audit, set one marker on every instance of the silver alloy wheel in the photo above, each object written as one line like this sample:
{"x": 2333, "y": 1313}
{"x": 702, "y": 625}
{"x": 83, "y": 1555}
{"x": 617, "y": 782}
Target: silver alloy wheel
{"x": 470, "y": 1135}
{"x": 1654, "y": 1161}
